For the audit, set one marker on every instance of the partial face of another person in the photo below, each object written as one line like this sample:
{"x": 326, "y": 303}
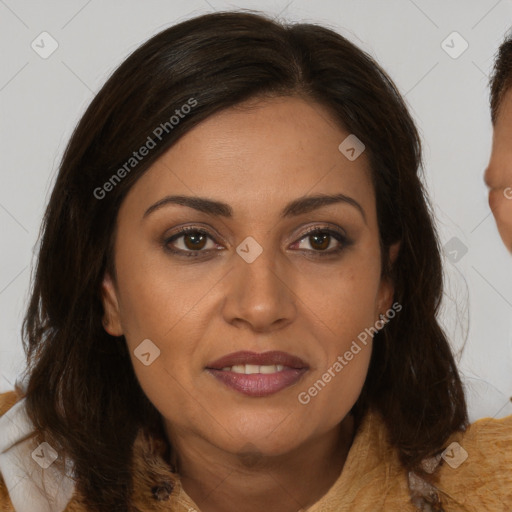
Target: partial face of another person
{"x": 498, "y": 175}
{"x": 249, "y": 276}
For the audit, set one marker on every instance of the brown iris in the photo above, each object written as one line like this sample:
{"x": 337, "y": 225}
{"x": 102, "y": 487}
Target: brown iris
{"x": 198, "y": 240}
{"x": 325, "y": 242}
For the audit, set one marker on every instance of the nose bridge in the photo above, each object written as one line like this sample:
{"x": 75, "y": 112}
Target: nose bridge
{"x": 259, "y": 293}
{"x": 259, "y": 267}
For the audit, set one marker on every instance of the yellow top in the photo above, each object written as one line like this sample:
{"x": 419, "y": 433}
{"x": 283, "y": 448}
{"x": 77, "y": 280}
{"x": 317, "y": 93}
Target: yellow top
{"x": 474, "y": 474}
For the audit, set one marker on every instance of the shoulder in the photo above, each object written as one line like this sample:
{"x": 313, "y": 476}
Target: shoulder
{"x": 23, "y": 486}
{"x": 476, "y": 471}
{"x": 7, "y": 400}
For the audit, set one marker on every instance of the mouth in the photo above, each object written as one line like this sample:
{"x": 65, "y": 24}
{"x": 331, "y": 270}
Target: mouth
{"x": 258, "y": 375}
{"x": 252, "y": 360}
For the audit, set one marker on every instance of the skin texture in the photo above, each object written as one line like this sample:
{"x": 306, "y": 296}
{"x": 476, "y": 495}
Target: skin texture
{"x": 498, "y": 175}
{"x": 257, "y": 159}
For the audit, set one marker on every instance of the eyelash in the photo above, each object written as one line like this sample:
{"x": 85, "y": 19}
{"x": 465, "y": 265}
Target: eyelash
{"x": 338, "y": 236}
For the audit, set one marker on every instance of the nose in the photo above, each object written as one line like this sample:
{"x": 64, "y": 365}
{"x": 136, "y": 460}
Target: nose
{"x": 260, "y": 294}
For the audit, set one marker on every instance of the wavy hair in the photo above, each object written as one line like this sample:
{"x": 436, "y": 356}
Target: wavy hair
{"x": 79, "y": 377}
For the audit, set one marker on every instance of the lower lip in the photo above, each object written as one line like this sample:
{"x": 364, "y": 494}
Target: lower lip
{"x": 259, "y": 384}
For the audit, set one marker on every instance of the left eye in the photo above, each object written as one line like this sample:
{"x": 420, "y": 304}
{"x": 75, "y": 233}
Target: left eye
{"x": 320, "y": 240}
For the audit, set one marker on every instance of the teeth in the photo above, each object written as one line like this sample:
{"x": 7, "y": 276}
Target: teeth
{"x": 250, "y": 369}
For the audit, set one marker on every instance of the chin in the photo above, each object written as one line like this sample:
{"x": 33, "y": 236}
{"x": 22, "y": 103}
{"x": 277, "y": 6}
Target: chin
{"x": 265, "y": 447}
{"x": 270, "y": 439}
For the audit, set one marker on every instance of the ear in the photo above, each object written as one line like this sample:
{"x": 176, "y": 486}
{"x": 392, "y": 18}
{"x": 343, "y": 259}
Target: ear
{"x": 387, "y": 287}
{"x": 111, "y": 316}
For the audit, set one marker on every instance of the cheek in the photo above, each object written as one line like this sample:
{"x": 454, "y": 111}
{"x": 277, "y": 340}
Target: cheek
{"x": 345, "y": 313}
{"x": 333, "y": 389}
{"x": 344, "y": 296}
{"x": 159, "y": 304}
{"x": 168, "y": 313}
{"x": 157, "y": 296}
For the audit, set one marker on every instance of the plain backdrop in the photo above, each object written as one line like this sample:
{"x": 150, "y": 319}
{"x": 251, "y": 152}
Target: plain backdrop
{"x": 443, "y": 76}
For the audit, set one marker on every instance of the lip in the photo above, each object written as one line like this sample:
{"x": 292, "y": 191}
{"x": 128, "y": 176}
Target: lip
{"x": 262, "y": 359}
{"x": 259, "y": 384}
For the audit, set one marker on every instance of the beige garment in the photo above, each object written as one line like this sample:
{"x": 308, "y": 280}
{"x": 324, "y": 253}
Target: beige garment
{"x": 372, "y": 479}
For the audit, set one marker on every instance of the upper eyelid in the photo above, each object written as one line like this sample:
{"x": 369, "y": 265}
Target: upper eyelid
{"x": 192, "y": 229}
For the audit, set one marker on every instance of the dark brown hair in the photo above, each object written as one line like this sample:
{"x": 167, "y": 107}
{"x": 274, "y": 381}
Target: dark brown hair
{"x": 82, "y": 391}
{"x": 501, "y": 76}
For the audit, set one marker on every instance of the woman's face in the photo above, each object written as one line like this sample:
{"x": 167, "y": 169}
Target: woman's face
{"x": 255, "y": 282}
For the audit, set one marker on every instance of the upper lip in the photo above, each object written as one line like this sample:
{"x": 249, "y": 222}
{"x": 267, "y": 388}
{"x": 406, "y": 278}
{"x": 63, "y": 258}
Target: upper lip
{"x": 262, "y": 359}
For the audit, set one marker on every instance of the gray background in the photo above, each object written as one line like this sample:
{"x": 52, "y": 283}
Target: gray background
{"x": 41, "y": 100}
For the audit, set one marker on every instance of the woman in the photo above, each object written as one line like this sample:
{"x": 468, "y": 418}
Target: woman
{"x": 235, "y": 300}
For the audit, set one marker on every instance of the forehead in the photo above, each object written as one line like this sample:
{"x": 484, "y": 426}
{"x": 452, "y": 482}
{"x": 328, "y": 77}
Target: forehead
{"x": 260, "y": 155}
{"x": 304, "y": 134}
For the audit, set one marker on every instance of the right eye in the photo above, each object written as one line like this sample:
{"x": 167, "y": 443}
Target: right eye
{"x": 193, "y": 241}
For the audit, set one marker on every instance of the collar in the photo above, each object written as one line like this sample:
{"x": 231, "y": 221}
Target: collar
{"x": 32, "y": 481}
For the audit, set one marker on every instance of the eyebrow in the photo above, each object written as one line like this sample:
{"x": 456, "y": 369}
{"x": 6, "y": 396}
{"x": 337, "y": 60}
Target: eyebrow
{"x": 296, "y": 207}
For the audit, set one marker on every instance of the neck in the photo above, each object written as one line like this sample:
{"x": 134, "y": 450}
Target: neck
{"x": 218, "y": 481}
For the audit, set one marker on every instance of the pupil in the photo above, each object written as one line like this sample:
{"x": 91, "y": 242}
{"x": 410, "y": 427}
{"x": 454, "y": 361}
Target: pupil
{"x": 196, "y": 240}
{"x": 324, "y": 236}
